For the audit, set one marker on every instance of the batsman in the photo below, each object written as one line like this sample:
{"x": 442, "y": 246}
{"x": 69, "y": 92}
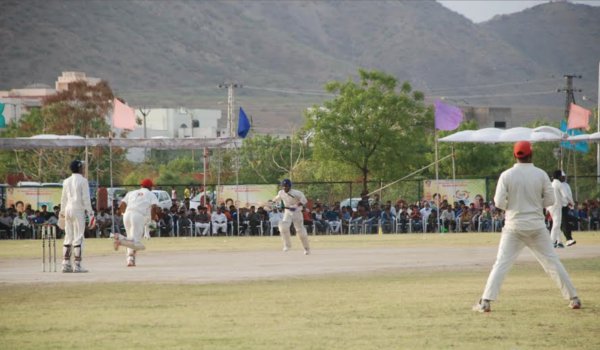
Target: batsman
{"x": 292, "y": 201}
{"x": 138, "y": 208}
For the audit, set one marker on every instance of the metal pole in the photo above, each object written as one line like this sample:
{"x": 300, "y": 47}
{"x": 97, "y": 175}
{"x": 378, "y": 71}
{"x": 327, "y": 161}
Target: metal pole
{"x": 598, "y": 118}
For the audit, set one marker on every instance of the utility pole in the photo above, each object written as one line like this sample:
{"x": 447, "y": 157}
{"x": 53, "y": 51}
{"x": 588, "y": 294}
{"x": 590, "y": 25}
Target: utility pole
{"x": 569, "y": 98}
{"x": 145, "y": 112}
{"x": 230, "y": 103}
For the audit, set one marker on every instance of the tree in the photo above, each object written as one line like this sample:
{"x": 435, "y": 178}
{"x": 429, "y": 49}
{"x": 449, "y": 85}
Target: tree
{"x": 371, "y": 126}
{"x": 81, "y": 110}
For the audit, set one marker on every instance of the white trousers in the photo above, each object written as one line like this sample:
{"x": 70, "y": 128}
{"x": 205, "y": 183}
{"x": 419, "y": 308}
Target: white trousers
{"x": 512, "y": 243}
{"x": 289, "y": 218}
{"x": 556, "y": 232}
{"x": 204, "y": 226}
{"x": 135, "y": 224}
{"x": 216, "y": 226}
{"x": 74, "y": 226}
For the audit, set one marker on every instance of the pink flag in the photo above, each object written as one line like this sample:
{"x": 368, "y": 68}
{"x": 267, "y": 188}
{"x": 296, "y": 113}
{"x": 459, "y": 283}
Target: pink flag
{"x": 579, "y": 117}
{"x": 123, "y": 116}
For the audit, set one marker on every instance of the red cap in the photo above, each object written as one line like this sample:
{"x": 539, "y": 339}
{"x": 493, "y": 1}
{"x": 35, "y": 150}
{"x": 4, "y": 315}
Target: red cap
{"x": 522, "y": 149}
{"x": 147, "y": 183}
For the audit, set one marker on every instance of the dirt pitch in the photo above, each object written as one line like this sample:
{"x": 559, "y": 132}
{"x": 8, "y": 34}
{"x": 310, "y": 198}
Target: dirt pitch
{"x": 212, "y": 267}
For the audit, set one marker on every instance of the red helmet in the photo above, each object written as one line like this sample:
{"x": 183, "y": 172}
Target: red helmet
{"x": 147, "y": 183}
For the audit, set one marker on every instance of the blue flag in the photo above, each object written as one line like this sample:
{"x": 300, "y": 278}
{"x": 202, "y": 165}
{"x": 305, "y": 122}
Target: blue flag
{"x": 243, "y": 124}
{"x": 581, "y": 146}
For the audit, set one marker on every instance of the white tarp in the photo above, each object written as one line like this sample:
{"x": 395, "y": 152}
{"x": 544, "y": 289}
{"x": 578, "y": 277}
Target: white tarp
{"x": 66, "y": 141}
{"x": 494, "y": 135}
{"x": 595, "y": 137}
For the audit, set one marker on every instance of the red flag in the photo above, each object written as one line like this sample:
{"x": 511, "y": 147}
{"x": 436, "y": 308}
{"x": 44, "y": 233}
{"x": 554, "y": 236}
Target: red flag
{"x": 123, "y": 116}
{"x": 579, "y": 117}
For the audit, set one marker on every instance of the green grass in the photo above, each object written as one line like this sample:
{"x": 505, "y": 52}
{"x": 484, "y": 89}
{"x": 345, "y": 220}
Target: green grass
{"x": 388, "y": 310}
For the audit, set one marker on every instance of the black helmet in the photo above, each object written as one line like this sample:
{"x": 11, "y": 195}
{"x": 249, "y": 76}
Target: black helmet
{"x": 286, "y": 182}
{"x": 76, "y": 166}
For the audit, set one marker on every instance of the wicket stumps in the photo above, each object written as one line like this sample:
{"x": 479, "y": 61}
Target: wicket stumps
{"x": 49, "y": 235}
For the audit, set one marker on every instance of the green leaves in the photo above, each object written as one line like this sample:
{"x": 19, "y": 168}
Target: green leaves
{"x": 369, "y": 124}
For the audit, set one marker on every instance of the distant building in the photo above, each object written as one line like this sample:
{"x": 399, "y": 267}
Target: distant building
{"x": 177, "y": 123}
{"x": 510, "y": 117}
{"x": 21, "y": 100}
{"x": 63, "y": 81}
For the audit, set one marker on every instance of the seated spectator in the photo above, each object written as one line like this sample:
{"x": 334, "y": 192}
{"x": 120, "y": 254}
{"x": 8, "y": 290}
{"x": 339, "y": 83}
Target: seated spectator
{"x": 485, "y": 218}
{"x": 425, "y": 213}
{"x": 164, "y": 223}
{"x": 254, "y": 220}
{"x": 387, "y": 219}
{"x": 498, "y": 219}
{"x": 319, "y": 221}
{"x": 415, "y": 219}
{"x": 447, "y": 218}
{"x": 21, "y": 223}
{"x": 594, "y": 215}
{"x": 275, "y": 217}
{"x": 332, "y": 216}
{"x": 202, "y": 221}
{"x": 308, "y": 220}
{"x": 104, "y": 222}
{"x": 583, "y": 218}
{"x": 219, "y": 222}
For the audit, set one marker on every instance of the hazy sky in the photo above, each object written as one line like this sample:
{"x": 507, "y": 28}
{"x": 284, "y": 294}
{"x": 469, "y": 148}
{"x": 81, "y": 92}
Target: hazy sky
{"x": 479, "y": 11}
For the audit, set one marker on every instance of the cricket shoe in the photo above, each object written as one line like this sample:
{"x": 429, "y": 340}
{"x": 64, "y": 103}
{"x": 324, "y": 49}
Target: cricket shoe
{"x": 79, "y": 269}
{"x": 130, "y": 262}
{"x": 306, "y": 251}
{"x": 571, "y": 242}
{"x": 560, "y": 245}
{"x": 575, "y": 303}
{"x": 285, "y": 249}
{"x": 67, "y": 268}
{"x": 482, "y": 306}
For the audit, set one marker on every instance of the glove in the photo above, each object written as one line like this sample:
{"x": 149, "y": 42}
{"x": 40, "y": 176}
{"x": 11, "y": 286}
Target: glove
{"x": 147, "y": 232}
{"x": 92, "y": 223}
{"x": 61, "y": 222}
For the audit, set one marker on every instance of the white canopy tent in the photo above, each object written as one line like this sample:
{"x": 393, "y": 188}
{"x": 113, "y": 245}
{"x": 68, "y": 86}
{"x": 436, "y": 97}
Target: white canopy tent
{"x": 494, "y": 135}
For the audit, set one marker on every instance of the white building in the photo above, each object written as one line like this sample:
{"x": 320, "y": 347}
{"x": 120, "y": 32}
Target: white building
{"x": 176, "y": 123}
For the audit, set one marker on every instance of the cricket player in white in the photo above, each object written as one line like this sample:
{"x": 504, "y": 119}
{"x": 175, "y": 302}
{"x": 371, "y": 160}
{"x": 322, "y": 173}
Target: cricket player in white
{"x": 556, "y": 209}
{"x": 75, "y": 204}
{"x": 523, "y": 191}
{"x": 292, "y": 201}
{"x": 140, "y": 206}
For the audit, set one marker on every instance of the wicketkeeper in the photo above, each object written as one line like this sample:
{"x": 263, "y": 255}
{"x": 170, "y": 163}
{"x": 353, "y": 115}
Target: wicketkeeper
{"x": 75, "y": 204}
{"x": 139, "y": 207}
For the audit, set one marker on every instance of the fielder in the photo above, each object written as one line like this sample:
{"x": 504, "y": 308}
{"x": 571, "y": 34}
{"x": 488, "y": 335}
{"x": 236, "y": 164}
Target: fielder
{"x": 292, "y": 201}
{"x": 75, "y": 204}
{"x": 556, "y": 209}
{"x": 138, "y": 208}
{"x": 523, "y": 191}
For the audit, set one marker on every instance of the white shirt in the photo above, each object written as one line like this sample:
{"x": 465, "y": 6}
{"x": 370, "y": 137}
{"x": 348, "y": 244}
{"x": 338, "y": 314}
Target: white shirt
{"x": 567, "y": 193}
{"x": 76, "y": 194}
{"x": 523, "y": 191}
{"x": 218, "y": 218}
{"x": 560, "y": 200}
{"x": 291, "y": 199}
{"x": 140, "y": 201}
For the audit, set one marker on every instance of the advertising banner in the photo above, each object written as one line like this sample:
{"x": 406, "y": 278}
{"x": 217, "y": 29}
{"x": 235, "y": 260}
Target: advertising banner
{"x": 455, "y": 190}
{"x": 244, "y": 196}
{"x": 35, "y": 196}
